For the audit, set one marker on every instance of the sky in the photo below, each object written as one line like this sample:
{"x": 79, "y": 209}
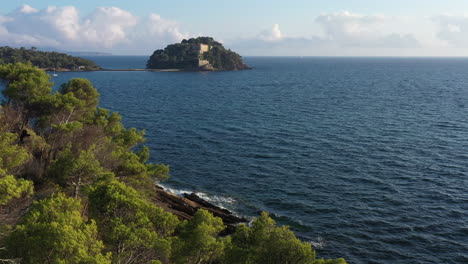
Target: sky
{"x": 250, "y": 27}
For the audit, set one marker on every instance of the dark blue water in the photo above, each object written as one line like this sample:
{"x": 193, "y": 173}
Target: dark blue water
{"x": 365, "y": 157}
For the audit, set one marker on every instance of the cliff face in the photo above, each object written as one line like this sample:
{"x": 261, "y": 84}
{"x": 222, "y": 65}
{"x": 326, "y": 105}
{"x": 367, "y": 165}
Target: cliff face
{"x": 203, "y": 53}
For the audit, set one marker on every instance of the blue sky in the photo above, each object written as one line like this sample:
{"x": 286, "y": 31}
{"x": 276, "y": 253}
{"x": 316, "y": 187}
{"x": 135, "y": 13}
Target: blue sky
{"x": 255, "y": 27}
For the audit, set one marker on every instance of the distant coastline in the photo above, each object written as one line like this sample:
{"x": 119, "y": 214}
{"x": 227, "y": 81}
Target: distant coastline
{"x": 87, "y": 53}
{"x": 45, "y": 60}
{"x": 128, "y": 70}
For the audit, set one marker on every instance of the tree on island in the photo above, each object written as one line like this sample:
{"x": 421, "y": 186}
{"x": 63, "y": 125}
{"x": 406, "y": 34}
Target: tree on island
{"x": 186, "y": 55}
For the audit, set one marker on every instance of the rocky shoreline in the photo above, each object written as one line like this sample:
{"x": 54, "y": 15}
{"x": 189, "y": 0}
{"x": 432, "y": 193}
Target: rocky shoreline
{"x": 184, "y": 207}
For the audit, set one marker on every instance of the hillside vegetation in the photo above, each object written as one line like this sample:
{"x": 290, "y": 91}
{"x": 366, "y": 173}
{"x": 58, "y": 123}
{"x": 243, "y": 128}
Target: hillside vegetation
{"x": 76, "y": 187}
{"x": 45, "y": 60}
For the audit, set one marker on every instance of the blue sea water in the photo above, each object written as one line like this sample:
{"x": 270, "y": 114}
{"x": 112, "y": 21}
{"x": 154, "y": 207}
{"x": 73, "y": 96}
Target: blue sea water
{"x": 367, "y": 158}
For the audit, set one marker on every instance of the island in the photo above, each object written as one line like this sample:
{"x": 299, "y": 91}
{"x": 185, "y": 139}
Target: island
{"x": 196, "y": 54}
{"x": 49, "y": 61}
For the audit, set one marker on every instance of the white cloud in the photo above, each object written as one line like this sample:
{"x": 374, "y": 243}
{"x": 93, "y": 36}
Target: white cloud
{"x": 274, "y": 42}
{"x": 272, "y": 34}
{"x": 58, "y": 26}
{"x": 53, "y": 24}
{"x": 349, "y": 29}
{"x": 153, "y": 32}
{"x": 453, "y": 29}
{"x": 27, "y": 9}
{"x": 167, "y": 29}
{"x": 343, "y": 33}
{"x": 107, "y": 26}
{"x": 64, "y": 28}
{"x": 4, "y": 19}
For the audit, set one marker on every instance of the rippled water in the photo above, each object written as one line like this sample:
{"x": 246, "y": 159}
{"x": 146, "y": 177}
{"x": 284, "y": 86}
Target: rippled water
{"x": 364, "y": 157}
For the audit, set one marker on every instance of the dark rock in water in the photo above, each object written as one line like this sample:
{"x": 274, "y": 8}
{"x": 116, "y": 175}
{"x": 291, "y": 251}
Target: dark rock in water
{"x": 185, "y": 207}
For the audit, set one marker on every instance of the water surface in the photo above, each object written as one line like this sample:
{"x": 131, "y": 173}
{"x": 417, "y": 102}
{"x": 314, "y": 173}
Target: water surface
{"x": 364, "y": 157}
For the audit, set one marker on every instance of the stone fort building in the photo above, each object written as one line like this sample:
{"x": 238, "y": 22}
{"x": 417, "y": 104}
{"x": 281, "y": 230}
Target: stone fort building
{"x": 202, "y": 48}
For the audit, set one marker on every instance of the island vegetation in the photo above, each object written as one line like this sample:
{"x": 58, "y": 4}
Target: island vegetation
{"x": 46, "y": 60}
{"x": 202, "y": 53}
{"x": 76, "y": 187}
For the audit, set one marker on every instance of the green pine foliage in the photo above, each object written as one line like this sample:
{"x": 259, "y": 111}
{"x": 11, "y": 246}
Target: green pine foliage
{"x": 12, "y": 157}
{"x": 73, "y": 172}
{"x": 174, "y": 56}
{"x": 134, "y": 230}
{"x": 27, "y": 89}
{"x": 93, "y": 189}
{"x": 11, "y": 188}
{"x": 198, "y": 241}
{"x": 54, "y": 231}
{"x": 185, "y": 55}
{"x": 224, "y": 59}
{"x": 264, "y": 242}
{"x": 43, "y": 59}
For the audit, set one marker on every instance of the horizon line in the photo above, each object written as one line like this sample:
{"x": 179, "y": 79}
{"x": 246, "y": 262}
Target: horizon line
{"x": 304, "y": 56}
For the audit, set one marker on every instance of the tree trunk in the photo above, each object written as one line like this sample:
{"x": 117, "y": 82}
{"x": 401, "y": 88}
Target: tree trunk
{"x": 77, "y": 187}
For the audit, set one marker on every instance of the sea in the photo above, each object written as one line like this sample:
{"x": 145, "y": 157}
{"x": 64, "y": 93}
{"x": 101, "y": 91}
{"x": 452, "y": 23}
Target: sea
{"x": 365, "y": 158}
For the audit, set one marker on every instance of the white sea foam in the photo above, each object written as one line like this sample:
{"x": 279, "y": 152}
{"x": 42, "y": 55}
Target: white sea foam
{"x": 175, "y": 191}
{"x": 319, "y": 243}
{"x": 218, "y": 200}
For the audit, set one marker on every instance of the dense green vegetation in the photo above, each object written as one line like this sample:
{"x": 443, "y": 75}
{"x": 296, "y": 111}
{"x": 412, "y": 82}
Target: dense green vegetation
{"x": 185, "y": 55}
{"x": 45, "y": 60}
{"x": 76, "y": 187}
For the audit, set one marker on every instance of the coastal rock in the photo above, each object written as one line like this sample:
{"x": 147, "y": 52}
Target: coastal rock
{"x": 185, "y": 207}
{"x": 207, "y": 67}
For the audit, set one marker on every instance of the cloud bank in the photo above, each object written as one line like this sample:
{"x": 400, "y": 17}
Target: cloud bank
{"x": 116, "y": 30}
{"x": 65, "y": 28}
{"x": 453, "y": 29}
{"x": 345, "y": 32}
{"x": 272, "y": 34}
{"x": 349, "y": 29}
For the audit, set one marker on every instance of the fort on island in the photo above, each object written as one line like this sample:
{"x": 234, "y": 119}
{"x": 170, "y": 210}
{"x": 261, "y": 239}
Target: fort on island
{"x": 202, "y": 48}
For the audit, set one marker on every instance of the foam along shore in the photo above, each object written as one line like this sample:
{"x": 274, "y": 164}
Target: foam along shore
{"x": 186, "y": 206}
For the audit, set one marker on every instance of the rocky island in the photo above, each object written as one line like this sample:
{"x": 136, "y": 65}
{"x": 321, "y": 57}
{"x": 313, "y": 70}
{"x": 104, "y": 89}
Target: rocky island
{"x": 196, "y": 54}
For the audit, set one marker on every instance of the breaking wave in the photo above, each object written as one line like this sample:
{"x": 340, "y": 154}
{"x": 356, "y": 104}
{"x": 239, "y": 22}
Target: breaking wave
{"x": 218, "y": 200}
